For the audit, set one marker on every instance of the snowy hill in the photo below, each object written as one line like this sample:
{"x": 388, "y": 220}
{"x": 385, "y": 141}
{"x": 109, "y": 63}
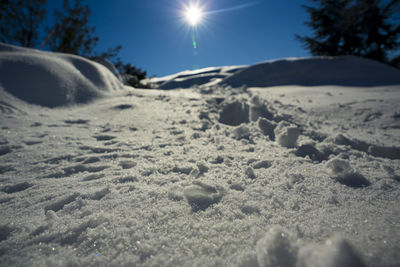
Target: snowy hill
{"x": 214, "y": 175}
{"x": 317, "y": 71}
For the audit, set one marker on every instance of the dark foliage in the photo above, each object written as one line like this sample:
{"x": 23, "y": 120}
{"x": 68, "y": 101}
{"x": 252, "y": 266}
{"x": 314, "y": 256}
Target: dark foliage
{"x": 131, "y": 74}
{"x": 71, "y": 32}
{"x": 20, "y": 21}
{"x": 132, "y": 70}
{"x": 395, "y": 62}
{"x": 111, "y": 54}
{"x": 367, "y": 28}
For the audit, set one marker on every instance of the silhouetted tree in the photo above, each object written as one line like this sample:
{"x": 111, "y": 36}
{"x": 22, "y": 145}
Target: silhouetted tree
{"x": 130, "y": 74}
{"x": 71, "y": 32}
{"x": 111, "y": 54}
{"x": 132, "y": 70}
{"x": 20, "y": 21}
{"x": 367, "y": 28}
{"x": 395, "y": 62}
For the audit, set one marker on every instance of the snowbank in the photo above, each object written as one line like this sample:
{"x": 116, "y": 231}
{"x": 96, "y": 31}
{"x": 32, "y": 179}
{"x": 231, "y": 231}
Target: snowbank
{"x": 317, "y": 71}
{"x": 52, "y": 79}
{"x": 343, "y": 71}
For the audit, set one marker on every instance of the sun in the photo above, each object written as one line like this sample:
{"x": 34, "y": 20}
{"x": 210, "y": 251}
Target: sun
{"x": 193, "y": 15}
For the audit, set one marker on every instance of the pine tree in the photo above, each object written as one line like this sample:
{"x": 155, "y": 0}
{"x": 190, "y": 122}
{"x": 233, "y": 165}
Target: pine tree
{"x": 71, "y": 33}
{"x": 20, "y": 21}
{"x": 367, "y": 28}
{"x": 379, "y": 28}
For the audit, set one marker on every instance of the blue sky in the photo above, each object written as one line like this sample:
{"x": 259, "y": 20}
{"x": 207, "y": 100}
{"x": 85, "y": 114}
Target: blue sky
{"x": 157, "y": 39}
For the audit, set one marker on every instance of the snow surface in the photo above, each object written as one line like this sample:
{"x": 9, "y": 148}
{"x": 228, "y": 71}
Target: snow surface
{"x": 206, "y": 176}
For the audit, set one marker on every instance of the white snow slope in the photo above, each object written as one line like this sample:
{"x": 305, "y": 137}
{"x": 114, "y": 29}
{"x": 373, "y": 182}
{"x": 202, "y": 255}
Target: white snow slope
{"x": 207, "y": 176}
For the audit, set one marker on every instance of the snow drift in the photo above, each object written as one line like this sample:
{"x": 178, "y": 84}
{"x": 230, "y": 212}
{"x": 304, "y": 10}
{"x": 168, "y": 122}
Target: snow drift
{"x": 343, "y": 71}
{"x": 317, "y": 71}
{"x": 52, "y": 79}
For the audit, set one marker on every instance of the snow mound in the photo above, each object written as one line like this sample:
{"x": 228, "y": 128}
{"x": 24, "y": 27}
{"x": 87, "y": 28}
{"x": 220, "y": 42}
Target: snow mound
{"x": 336, "y": 251}
{"x": 342, "y": 71}
{"x": 52, "y": 79}
{"x": 277, "y": 248}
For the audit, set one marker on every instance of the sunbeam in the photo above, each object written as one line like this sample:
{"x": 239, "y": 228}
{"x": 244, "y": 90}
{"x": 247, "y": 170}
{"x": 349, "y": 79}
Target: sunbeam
{"x": 233, "y": 8}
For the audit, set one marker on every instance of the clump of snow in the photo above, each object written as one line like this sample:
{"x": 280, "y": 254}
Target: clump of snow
{"x": 267, "y": 127}
{"x": 234, "y": 113}
{"x": 241, "y": 132}
{"x": 339, "y": 167}
{"x": 264, "y": 164}
{"x": 286, "y": 134}
{"x": 200, "y": 169}
{"x": 250, "y": 173}
{"x": 345, "y": 174}
{"x": 52, "y": 79}
{"x": 344, "y": 71}
{"x": 278, "y": 247}
{"x": 258, "y": 109}
{"x": 336, "y": 251}
{"x": 311, "y": 151}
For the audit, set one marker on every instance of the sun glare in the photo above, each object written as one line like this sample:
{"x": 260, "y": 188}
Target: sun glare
{"x": 193, "y": 15}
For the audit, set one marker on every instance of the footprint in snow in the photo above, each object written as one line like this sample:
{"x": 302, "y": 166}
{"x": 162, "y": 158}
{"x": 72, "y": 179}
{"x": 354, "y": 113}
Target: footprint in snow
{"x": 10, "y": 189}
{"x": 5, "y": 150}
{"x": 79, "y": 121}
{"x": 104, "y": 137}
{"x": 32, "y": 142}
{"x": 123, "y": 106}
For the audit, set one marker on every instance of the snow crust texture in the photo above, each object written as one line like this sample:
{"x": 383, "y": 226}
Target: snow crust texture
{"x": 207, "y": 176}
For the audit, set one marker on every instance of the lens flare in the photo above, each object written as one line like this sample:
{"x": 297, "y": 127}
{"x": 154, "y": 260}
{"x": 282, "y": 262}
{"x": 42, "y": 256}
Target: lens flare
{"x": 193, "y": 15}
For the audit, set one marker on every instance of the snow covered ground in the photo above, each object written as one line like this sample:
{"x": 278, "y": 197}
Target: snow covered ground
{"x": 211, "y": 175}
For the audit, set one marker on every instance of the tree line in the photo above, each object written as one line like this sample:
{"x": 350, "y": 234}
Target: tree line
{"x": 365, "y": 28}
{"x": 22, "y": 22}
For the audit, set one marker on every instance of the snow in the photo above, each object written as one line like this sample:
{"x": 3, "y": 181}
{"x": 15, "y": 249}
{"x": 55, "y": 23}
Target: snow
{"x": 343, "y": 71}
{"x": 315, "y": 71}
{"x": 54, "y": 79}
{"x": 336, "y": 251}
{"x": 189, "y": 78}
{"x": 286, "y": 134}
{"x": 211, "y": 175}
{"x": 276, "y": 248}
